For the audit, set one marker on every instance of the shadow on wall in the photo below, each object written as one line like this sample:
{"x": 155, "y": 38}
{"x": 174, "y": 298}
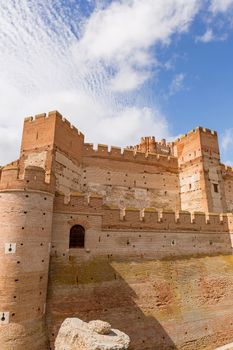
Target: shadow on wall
{"x": 96, "y": 290}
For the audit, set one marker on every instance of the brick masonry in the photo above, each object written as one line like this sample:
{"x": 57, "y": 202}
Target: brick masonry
{"x": 158, "y": 225}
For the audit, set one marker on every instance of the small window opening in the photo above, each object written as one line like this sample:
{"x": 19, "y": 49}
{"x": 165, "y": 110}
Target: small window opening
{"x": 77, "y": 237}
{"x": 215, "y": 188}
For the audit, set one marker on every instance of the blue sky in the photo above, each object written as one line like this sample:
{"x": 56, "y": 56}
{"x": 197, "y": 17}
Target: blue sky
{"x": 119, "y": 69}
{"x": 206, "y": 95}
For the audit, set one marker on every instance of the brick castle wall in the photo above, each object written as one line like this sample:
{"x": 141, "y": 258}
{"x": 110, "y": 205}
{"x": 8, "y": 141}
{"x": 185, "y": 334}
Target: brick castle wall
{"x": 186, "y": 174}
{"x": 141, "y": 247}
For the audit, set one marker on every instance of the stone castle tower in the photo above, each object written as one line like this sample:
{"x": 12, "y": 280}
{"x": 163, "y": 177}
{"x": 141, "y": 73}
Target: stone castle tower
{"x": 60, "y": 182}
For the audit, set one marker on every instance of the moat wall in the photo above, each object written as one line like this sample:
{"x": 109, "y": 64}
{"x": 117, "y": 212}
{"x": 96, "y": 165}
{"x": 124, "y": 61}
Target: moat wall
{"x": 176, "y": 303}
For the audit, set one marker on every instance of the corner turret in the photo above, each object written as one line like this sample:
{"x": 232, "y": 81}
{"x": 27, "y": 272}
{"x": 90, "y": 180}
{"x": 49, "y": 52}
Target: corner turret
{"x": 26, "y": 205}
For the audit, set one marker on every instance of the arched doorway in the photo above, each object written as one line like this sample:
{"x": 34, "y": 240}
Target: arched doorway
{"x": 77, "y": 236}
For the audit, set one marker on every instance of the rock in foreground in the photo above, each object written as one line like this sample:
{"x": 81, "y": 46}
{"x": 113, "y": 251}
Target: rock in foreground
{"x": 75, "y": 334}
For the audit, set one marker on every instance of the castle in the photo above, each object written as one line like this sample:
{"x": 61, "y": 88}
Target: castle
{"x": 140, "y": 237}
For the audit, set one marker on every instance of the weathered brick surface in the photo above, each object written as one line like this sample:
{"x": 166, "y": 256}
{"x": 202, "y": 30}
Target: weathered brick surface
{"x": 160, "y": 304}
{"x": 26, "y": 218}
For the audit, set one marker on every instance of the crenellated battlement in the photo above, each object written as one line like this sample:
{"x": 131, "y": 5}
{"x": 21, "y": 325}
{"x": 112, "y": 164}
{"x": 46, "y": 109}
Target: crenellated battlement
{"x": 32, "y": 178}
{"x": 148, "y": 144}
{"x": 147, "y": 218}
{"x": 148, "y": 138}
{"x": 126, "y": 154}
{"x": 165, "y": 220}
{"x": 195, "y": 131}
{"x": 49, "y": 132}
{"x": 50, "y": 115}
{"x": 227, "y": 170}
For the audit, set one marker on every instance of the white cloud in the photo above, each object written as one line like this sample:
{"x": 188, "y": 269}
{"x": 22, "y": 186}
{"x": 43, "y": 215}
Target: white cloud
{"x": 91, "y": 69}
{"x": 227, "y": 140}
{"x": 206, "y": 37}
{"x": 128, "y": 79}
{"x": 220, "y": 5}
{"x": 177, "y": 84}
{"x": 51, "y": 57}
{"x": 209, "y": 36}
{"x": 127, "y": 27}
{"x": 123, "y": 34}
{"x": 131, "y": 122}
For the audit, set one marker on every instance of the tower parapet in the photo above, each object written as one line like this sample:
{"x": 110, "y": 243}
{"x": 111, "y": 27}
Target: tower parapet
{"x": 43, "y": 130}
{"x": 32, "y": 179}
{"x": 44, "y": 134}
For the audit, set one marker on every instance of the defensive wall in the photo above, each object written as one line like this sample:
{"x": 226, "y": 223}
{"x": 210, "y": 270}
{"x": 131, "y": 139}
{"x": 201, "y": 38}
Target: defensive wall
{"x": 185, "y": 174}
{"x": 143, "y": 270}
{"x": 122, "y": 177}
{"x": 160, "y": 274}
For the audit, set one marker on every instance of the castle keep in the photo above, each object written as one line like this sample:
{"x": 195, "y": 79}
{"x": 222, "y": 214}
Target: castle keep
{"x": 139, "y": 237}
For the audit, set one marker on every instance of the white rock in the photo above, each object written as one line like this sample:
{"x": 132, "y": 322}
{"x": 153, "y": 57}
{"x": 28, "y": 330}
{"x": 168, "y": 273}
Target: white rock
{"x": 75, "y": 334}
